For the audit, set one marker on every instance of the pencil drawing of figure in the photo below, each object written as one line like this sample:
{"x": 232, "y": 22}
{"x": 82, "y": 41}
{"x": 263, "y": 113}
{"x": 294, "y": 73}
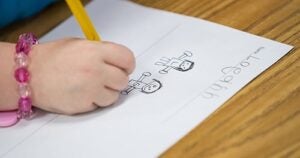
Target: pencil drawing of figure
{"x": 142, "y": 86}
{"x": 179, "y": 63}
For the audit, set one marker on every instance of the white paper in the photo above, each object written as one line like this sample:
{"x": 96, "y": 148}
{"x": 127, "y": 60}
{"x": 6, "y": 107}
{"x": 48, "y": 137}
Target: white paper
{"x": 140, "y": 124}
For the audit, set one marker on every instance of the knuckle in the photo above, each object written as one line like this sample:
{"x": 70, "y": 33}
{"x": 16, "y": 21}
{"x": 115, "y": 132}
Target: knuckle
{"x": 128, "y": 59}
{"x": 130, "y": 62}
{"x": 112, "y": 99}
{"x": 115, "y": 97}
{"x": 126, "y": 52}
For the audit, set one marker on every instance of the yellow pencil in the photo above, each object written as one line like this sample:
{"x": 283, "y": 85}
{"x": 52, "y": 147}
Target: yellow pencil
{"x": 83, "y": 19}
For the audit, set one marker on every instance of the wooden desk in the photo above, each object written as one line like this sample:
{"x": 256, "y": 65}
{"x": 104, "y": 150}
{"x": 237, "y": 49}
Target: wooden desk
{"x": 263, "y": 119}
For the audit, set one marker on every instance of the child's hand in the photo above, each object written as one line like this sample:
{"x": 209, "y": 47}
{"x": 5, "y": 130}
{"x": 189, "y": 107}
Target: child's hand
{"x": 72, "y": 76}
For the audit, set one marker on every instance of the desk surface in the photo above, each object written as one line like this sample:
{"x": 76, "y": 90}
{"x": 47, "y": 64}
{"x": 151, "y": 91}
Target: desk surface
{"x": 263, "y": 119}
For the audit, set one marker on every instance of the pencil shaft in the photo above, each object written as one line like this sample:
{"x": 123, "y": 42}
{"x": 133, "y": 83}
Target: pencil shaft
{"x": 83, "y": 19}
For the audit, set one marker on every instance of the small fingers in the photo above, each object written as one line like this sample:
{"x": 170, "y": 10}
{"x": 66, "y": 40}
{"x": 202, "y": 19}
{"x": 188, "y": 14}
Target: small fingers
{"x": 106, "y": 97}
{"x": 119, "y": 56}
{"x": 115, "y": 78}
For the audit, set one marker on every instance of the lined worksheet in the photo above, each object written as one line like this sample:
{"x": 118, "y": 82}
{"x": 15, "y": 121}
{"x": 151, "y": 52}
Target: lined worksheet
{"x": 186, "y": 69}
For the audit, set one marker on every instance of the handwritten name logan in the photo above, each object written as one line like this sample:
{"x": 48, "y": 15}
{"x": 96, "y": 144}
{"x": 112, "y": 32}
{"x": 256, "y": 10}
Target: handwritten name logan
{"x": 229, "y": 73}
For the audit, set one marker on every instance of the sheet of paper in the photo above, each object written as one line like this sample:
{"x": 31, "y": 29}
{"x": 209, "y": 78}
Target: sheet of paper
{"x": 186, "y": 69}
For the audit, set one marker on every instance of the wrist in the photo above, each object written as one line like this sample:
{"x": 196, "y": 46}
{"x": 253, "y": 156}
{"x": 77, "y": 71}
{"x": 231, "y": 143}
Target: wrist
{"x": 8, "y": 86}
{"x": 36, "y": 63}
{"x": 20, "y": 88}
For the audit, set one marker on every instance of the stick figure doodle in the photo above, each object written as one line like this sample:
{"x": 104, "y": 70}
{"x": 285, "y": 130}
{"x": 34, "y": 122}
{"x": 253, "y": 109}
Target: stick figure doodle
{"x": 142, "y": 86}
{"x": 179, "y": 64}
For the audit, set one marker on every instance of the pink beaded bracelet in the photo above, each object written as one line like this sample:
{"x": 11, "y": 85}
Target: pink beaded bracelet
{"x": 22, "y": 75}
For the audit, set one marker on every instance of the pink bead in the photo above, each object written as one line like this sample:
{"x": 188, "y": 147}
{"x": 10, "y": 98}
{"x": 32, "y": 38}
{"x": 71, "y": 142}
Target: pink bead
{"x": 30, "y": 38}
{"x": 25, "y": 42}
{"x": 25, "y": 108}
{"x": 25, "y": 104}
{"x": 22, "y": 75}
{"x": 22, "y": 47}
{"x": 21, "y": 60}
{"x": 24, "y": 90}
